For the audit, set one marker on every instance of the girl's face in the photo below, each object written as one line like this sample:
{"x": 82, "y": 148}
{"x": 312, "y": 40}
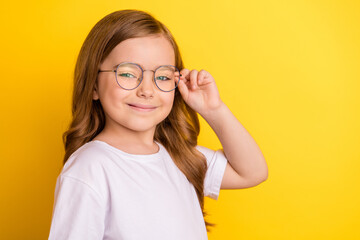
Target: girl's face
{"x": 140, "y": 109}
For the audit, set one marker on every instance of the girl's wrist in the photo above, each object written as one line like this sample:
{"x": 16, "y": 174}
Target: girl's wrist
{"x": 214, "y": 113}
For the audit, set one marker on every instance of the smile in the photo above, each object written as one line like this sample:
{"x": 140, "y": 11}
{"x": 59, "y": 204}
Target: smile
{"x": 142, "y": 108}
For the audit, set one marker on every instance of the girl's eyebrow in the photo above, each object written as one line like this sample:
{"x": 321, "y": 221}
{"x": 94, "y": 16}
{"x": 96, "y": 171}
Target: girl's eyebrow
{"x": 115, "y": 66}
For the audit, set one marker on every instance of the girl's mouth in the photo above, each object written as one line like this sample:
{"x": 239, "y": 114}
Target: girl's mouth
{"x": 142, "y": 107}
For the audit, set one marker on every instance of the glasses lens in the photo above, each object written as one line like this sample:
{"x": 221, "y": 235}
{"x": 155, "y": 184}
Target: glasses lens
{"x": 167, "y": 78}
{"x": 128, "y": 75}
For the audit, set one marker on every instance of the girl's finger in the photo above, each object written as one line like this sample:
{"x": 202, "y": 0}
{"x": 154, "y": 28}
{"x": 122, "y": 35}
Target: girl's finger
{"x": 177, "y": 77}
{"x": 201, "y": 76}
{"x": 193, "y": 78}
{"x": 185, "y": 72}
{"x": 184, "y": 91}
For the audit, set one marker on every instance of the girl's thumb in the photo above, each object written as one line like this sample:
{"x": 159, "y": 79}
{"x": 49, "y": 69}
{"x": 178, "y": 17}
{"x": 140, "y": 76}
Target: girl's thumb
{"x": 183, "y": 89}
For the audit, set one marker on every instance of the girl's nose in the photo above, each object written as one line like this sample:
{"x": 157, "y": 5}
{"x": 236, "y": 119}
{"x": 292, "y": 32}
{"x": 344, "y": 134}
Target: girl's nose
{"x": 147, "y": 86}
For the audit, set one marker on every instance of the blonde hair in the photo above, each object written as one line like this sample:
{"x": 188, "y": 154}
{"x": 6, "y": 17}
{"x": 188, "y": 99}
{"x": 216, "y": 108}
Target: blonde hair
{"x": 177, "y": 133}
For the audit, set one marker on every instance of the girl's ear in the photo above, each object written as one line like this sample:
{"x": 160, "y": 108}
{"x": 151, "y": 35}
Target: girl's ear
{"x": 95, "y": 93}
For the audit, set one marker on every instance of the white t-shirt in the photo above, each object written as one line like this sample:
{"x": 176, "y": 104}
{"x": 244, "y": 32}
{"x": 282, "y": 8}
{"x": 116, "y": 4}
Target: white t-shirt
{"x": 105, "y": 193}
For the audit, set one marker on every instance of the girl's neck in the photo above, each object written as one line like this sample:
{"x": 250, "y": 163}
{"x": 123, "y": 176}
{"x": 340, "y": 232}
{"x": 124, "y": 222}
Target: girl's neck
{"x": 129, "y": 141}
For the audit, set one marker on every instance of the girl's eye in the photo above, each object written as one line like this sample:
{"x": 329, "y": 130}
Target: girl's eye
{"x": 162, "y": 78}
{"x": 127, "y": 75}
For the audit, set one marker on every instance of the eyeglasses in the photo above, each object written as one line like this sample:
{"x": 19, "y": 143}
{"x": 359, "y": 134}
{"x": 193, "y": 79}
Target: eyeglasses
{"x": 130, "y": 75}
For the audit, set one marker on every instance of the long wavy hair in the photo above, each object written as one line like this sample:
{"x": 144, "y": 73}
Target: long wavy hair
{"x": 177, "y": 133}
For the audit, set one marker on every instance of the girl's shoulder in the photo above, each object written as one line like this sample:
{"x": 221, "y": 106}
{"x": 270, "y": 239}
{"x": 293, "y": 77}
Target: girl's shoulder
{"x": 87, "y": 159}
{"x": 207, "y": 152}
{"x": 211, "y": 155}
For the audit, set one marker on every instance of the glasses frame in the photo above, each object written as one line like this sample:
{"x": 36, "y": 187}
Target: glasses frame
{"x": 142, "y": 75}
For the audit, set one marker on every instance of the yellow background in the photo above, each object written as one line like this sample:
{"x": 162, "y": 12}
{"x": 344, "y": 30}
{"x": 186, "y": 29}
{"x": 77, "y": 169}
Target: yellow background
{"x": 289, "y": 70}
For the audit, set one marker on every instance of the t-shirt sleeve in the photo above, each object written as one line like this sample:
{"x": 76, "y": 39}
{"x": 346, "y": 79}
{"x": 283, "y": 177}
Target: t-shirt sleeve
{"x": 216, "y": 162}
{"x": 78, "y": 211}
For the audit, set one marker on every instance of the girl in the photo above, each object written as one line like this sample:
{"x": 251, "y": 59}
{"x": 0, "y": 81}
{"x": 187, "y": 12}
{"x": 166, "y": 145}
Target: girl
{"x": 132, "y": 166}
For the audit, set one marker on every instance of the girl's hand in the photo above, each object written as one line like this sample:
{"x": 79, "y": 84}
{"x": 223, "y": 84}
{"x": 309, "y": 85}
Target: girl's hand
{"x": 199, "y": 91}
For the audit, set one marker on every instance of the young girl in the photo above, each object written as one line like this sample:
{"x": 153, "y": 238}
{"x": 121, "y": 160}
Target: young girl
{"x": 132, "y": 166}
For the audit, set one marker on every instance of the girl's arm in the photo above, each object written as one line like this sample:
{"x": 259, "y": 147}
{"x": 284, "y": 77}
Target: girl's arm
{"x": 246, "y": 164}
